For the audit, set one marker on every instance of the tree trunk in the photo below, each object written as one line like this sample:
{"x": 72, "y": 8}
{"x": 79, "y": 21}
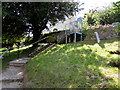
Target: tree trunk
{"x": 36, "y": 35}
{"x": 37, "y": 30}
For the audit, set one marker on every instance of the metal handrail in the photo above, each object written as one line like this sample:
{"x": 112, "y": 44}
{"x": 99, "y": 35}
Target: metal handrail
{"x": 62, "y": 37}
{"x": 4, "y": 53}
{"x": 21, "y": 47}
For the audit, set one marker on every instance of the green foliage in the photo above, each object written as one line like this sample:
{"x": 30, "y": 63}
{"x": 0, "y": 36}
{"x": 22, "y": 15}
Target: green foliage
{"x": 90, "y": 19}
{"x": 117, "y": 29}
{"x": 90, "y": 22}
{"x": 116, "y": 5}
{"x": 13, "y": 26}
{"x": 27, "y": 40}
{"x": 15, "y": 54}
{"x": 107, "y": 15}
{"x": 86, "y": 27}
{"x": 22, "y": 17}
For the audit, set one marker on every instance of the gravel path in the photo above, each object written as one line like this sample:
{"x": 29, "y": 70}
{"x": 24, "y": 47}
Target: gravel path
{"x": 13, "y": 76}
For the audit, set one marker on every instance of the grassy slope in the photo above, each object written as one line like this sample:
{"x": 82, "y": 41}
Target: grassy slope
{"x": 13, "y": 55}
{"x": 74, "y": 65}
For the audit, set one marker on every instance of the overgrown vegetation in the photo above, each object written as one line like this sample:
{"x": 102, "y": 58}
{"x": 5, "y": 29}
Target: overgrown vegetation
{"x": 80, "y": 65}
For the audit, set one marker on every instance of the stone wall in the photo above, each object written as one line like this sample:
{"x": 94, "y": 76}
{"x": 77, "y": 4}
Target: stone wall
{"x": 105, "y": 32}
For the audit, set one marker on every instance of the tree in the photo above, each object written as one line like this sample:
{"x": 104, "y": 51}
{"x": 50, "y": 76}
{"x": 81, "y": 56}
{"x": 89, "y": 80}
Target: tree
{"x": 116, "y": 5}
{"x": 13, "y": 24}
{"x": 21, "y": 17}
{"x": 90, "y": 19}
{"x": 107, "y": 15}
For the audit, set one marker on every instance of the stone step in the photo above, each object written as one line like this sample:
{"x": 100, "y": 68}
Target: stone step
{"x": 19, "y": 62}
{"x": 11, "y": 85}
{"x": 12, "y": 74}
{"x": 17, "y": 65}
{"x": 19, "y": 79}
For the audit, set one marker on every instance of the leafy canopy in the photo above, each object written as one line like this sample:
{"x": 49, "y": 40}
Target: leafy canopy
{"x": 20, "y": 18}
{"x": 107, "y": 15}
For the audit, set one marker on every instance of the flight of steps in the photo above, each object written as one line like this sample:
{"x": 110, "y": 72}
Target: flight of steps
{"x": 41, "y": 49}
{"x": 13, "y": 76}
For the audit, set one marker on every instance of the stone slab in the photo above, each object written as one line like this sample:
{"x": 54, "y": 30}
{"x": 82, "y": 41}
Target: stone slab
{"x": 19, "y": 61}
{"x": 12, "y": 73}
{"x": 11, "y": 85}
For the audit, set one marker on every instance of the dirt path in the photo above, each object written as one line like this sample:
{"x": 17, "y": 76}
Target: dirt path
{"x": 12, "y": 77}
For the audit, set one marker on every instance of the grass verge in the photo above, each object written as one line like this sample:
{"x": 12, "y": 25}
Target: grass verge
{"x": 80, "y": 65}
{"x": 15, "y": 54}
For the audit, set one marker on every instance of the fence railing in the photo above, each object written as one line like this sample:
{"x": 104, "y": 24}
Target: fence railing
{"x": 11, "y": 48}
{"x": 62, "y": 36}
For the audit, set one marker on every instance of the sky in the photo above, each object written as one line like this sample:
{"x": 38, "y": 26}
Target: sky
{"x": 88, "y": 4}
{"x": 92, "y": 4}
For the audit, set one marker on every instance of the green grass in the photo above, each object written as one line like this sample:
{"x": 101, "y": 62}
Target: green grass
{"x": 15, "y": 54}
{"x": 80, "y": 65}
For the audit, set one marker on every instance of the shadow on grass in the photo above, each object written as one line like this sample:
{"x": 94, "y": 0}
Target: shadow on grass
{"x": 15, "y": 54}
{"x": 75, "y": 68}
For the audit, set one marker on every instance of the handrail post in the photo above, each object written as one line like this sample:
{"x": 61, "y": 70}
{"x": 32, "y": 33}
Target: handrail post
{"x": 75, "y": 37}
{"x": 66, "y": 36}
